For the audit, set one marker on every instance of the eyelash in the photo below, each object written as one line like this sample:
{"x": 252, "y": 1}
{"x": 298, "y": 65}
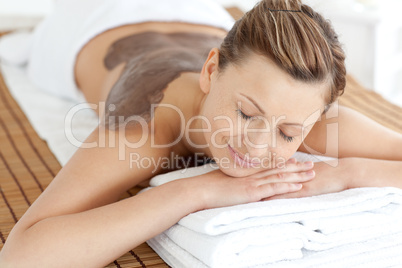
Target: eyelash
{"x": 247, "y": 117}
{"x": 243, "y": 115}
{"x": 286, "y": 138}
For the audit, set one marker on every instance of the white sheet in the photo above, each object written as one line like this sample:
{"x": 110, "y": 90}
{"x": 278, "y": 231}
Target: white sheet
{"x": 48, "y": 114}
{"x": 60, "y": 36}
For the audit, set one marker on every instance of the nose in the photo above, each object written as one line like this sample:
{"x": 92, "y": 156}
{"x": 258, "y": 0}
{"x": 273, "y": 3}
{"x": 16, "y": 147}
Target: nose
{"x": 257, "y": 142}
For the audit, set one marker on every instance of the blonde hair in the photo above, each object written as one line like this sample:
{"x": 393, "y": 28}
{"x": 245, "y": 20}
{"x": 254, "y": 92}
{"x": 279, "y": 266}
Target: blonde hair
{"x": 295, "y": 37}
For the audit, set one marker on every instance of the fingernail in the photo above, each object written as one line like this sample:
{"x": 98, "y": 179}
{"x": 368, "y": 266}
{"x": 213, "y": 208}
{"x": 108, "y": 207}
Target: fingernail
{"x": 298, "y": 185}
{"x": 292, "y": 161}
{"x": 310, "y": 173}
{"x": 309, "y": 164}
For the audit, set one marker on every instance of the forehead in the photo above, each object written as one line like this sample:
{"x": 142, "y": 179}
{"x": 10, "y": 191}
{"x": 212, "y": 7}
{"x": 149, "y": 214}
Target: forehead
{"x": 275, "y": 90}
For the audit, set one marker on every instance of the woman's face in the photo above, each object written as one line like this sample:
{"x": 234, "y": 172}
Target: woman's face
{"x": 255, "y": 115}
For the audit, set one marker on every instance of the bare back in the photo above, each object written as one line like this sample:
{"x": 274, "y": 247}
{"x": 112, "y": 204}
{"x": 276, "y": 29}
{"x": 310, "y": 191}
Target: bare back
{"x": 92, "y": 76}
{"x": 98, "y": 75}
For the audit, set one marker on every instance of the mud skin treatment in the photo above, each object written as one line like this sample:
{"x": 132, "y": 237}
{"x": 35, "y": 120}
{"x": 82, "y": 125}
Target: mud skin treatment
{"x": 153, "y": 60}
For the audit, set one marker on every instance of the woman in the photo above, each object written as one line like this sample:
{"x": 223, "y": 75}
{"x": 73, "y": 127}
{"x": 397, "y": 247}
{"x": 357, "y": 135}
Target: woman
{"x": 265, "y": 93}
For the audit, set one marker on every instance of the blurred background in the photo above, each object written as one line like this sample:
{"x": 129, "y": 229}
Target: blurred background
{"x": 371, "y": 31}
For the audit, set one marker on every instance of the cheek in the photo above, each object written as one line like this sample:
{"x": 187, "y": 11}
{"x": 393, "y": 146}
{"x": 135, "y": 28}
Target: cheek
{"x": 290, "y": 150}
{"x": 285, "y": 150}
{"x": 221, "y": 117}
{"x": 223, "y": 129}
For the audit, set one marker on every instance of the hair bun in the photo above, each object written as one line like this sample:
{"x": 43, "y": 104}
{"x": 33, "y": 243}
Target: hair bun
{"x": 298, "y": 39}
{"x": 283, "y": 5}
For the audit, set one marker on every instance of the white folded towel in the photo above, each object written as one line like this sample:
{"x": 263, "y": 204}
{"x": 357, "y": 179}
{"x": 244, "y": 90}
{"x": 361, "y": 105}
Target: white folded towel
{"x": 380, "y": 252}
{"x": 269, "y": 232}
{"x": 265, "y": 242}
{"x": 375, "y": 253}
{"x": 227, "y": 219}
{"x": 172, "y": 254}
{"x": 242, "y": 248}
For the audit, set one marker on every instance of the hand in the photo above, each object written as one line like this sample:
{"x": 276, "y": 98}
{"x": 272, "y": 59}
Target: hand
{"x": 219, "y": 190}
{"x": 331, "y": 176}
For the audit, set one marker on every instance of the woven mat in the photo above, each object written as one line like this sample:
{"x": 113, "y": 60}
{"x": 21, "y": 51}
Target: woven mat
{"x": 372, "y": 105}
{"x": 27, "y": 166}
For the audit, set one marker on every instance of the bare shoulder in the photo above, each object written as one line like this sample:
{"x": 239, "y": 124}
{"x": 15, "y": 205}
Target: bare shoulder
{"x": 344, "y": 132}
{"x": 97, "y": 174}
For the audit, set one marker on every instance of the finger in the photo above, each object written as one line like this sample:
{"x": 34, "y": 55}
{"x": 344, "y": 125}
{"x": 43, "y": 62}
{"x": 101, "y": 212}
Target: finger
{"x": 297, "y": 166}
{"x": 276, "y": 189}
{"x": 294, "y": 177}
{"x": 291, "y": 161}
{"x": 289, "y": 167}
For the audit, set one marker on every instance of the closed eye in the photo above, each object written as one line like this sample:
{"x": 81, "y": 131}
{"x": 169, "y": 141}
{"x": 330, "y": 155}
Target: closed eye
{"x": 243, "y": 115}
{"x": 281, "y": 133}
{"x": 285, "y": 137}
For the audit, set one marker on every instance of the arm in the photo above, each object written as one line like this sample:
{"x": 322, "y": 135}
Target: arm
{"x": 354, "y": 135}
{"x": 376, "y": 173}
{"x": 370, "y": 154}
{"x": 75, "y": 222}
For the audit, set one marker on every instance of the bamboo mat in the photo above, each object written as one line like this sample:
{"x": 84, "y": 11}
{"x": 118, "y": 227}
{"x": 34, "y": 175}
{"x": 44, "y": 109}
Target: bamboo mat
{"x": 372, "y": 105}
{"x": 27, "y": 165}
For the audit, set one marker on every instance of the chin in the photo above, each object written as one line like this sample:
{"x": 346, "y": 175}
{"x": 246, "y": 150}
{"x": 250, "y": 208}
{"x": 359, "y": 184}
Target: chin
{"x": 231, "y": 167}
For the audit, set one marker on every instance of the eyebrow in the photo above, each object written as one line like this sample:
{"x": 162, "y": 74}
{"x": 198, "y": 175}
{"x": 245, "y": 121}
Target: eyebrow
{"x": 254, "y": 102}
{"x": 263, "y": 112}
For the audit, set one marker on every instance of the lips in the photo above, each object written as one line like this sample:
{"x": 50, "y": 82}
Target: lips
{"x": 241, "y": 159}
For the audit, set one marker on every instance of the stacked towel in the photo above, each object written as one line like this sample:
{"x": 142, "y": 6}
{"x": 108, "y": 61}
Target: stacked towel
{"x": 375, "y": 253}
{"x": 360, "y": 226}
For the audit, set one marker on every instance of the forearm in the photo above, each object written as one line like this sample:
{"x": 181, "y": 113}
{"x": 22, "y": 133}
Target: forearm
{"x": 96, "y": 237}
{"x": 375, "y": 173}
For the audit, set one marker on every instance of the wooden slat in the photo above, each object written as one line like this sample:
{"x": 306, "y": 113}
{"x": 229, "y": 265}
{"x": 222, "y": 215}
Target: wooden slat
{"x": 372, "y": 105}
{"x": 27, "y": 166}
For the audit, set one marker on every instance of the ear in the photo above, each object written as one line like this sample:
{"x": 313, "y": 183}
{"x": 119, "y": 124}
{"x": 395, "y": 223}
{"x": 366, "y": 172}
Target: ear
{"x": 209, "y": 69}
